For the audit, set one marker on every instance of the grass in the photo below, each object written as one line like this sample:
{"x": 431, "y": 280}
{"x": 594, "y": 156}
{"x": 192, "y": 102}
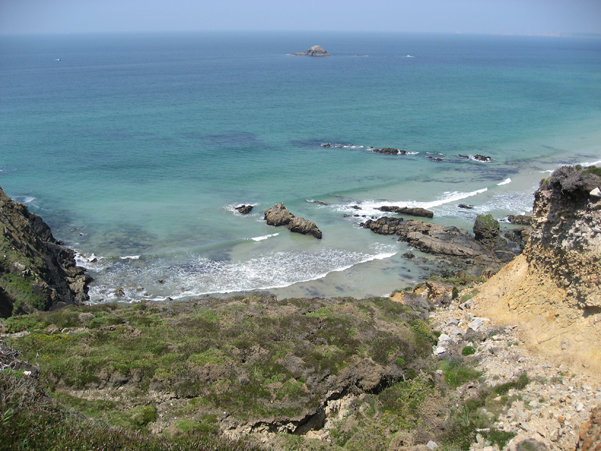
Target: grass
{"x": 30, "y": 421}
{"x": 203, "y": 349}
{"x": 593, "y": 170}
{"x": 252, "y": 360}
{"x": 457, "y": 373}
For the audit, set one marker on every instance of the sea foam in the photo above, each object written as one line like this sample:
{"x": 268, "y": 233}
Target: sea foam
{"x": 203, "y": 276}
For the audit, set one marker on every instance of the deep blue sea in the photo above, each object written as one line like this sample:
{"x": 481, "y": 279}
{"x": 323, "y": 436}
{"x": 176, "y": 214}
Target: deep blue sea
{"x": 136, "y": 147}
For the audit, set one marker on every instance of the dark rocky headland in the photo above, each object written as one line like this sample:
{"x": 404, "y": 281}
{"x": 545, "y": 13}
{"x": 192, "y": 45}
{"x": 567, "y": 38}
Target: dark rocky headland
{"x": 500, "y": 353}
{"x": 36, "y": 271}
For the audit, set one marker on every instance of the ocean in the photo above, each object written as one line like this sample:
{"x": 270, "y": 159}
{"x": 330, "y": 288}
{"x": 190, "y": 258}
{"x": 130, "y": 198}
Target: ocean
{"x": 135, "y": 148}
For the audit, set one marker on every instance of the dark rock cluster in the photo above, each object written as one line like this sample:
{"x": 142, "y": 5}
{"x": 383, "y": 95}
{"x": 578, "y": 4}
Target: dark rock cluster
{"x": 417, "y": 211}
{"x": 487, "y": 249}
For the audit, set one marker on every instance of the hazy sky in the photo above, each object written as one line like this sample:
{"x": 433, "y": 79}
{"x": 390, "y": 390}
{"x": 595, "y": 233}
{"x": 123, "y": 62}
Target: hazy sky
{"x": 468, "y": 16}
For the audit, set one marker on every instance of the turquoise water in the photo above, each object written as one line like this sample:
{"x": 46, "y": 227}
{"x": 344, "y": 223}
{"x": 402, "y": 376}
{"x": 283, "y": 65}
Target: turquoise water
{"x": 139, "y": 146}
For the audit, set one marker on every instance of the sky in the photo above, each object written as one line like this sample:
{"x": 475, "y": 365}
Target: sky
{"x": 439, "y": 16}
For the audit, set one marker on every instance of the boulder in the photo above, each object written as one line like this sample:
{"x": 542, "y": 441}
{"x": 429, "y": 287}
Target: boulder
{"x": 520, "y": 219}
{"x": 244, "y": 209}
{"x": 304, "y": 226}
{"x": 316, "y": 50}
{"x": 383, "y": 226}
{"x": 278, "y": 215}
{"x": 440, "y": 292}
{"x": 487, "y": 233}
{"x": 417, "y": 211}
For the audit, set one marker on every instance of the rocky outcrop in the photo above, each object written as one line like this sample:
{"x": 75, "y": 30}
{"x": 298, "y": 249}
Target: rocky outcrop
{"x": 590, "y": 433}
{"x": 384, "y": 226}
{"x": 487, "y": 233}
{"x": 316, "y": 50}
{"x": 566, "y": 234}
{"x": 388, "y": 151}
{"x": 485, "y": 251}
{"x": 244, "y": 209}
{"x": 520, "y": 219}
{"x": 304, "y": 226}
{"x": 477, "y": 157}
{"x": 520, "y": 236}
{"x": 554, "y": 286}
{"x": 278, "y": 215}
{"x": 417, "y": 211}
{"x": 36, "y": 270}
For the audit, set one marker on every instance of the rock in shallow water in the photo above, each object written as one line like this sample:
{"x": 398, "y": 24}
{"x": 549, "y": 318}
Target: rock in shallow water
{"x": 244, "y": 209}
{"x": 278, "y": 215}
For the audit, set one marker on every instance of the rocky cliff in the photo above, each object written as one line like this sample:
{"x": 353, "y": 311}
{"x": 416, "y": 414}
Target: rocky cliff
{"x": 554, "y": 286}
{"x": 36, "y": 270}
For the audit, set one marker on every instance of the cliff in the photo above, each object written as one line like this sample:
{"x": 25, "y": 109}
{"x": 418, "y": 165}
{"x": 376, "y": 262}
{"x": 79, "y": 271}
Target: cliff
{"x": 553, "y": 288}
{"x": 36, "y": 270}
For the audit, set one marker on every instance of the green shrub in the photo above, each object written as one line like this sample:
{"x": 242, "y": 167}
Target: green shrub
{"x": 456, "y": 373}
{"x": 593, "y": 170}
{"x": 468, "y": 350}
{"x": 518, "y": 384}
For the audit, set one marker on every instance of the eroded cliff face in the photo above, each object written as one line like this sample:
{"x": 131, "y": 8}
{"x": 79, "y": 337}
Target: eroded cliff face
{"x": 36, "y": 270}
{"x": 552, "y": 291}
{"x": 566, "y": 237}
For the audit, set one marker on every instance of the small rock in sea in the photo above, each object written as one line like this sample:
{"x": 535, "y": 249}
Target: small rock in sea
{"x": 244, "y": 209}
{"x": 161, "y": 281}
{"x": 467, "y": 207}
{"x": 408, "y": 254}
{"x": 356, "y": 207}
{"x": 319, "y": 202}
{"x": 483, "y": 158}
{"x": 316, "y": 50}
{"x": 326, "y": 145}
{"x": 463, "y": 156}
{"x": 119, "y": 292}
{"x": 388, "y": 151}
{"x": 434, "y": 158}
{"x": 520, "y": 219}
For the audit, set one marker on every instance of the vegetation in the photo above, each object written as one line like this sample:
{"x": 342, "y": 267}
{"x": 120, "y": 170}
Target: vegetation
{"x": 31, "y": 421}
{"x": 593, "y": 170}
{"x": 188, "y": 369}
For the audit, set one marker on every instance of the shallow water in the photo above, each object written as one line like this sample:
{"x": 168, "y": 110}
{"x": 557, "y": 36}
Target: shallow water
{"x": 140, "y": 145}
